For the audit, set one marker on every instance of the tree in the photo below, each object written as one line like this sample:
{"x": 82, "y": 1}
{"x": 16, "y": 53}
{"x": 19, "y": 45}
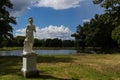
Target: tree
{"x": 96, "y": 33}
{"x": 18, "y": 41}
{"x": 79, "y": 37}
{"x": 112, "y": 7}
{"x": 67, "y": 43}
{"x": 116, "y": 35}
{"x": 53, "y": 42}
{"x": 5, "y": 20}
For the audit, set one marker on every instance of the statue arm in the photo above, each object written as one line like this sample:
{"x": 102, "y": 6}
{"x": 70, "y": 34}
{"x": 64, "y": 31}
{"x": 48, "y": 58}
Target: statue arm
{"x": 34, "y": 29}
{"x": 26, "y": 30}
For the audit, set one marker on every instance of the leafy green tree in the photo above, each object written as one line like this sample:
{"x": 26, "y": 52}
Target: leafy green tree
{"x": 53, "y": 42}
{"x": 112, "y": 8}
{"x": 103, "y": 32}
{"x": 68, "y": 43}
{"x": 37, "y": 42}
{"x": 43, "y": 43}
{"x": 116, "y": 35}
{"x": 57, "y": 42}
{"x": 5, "y": 20}
{"x": 96, "y": 33}
{"x": 79, "y": 37}
{"x": 18, "y": 41}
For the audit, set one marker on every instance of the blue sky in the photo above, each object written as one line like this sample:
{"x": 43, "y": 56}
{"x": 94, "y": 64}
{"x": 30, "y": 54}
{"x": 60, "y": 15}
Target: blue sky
{"x": 53, "y": 18}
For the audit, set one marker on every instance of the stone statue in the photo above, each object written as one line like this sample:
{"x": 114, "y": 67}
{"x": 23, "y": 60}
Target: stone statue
{"x": 29, "y": 40}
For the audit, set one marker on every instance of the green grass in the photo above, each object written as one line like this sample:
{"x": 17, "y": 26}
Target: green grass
{"x": 41, "y": 48}
{"x": 10, "y": 48}
{"x": 65, "y": 67}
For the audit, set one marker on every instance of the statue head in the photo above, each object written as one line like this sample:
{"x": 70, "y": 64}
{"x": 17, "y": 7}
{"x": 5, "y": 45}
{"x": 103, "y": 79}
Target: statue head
{"x": 30, "y": 20}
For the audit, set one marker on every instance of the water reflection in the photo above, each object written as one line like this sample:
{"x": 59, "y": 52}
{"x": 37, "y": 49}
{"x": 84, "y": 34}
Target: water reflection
{"x": 50, "y": 52}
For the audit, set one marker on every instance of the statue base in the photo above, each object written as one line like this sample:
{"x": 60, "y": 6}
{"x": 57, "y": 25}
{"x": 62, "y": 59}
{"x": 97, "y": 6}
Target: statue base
{"x": 29, "y": 65}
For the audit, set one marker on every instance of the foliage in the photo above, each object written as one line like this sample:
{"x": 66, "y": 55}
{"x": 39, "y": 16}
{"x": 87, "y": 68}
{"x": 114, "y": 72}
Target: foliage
{"x": 99, "y": 31}
{"x": 116, "y": 34}
{"x": 96, "y": 33}
{"x": 112, "y": 8}
{"x": 18, "y": 42}
{"x": 5, "y": 20}
{"x": 68, "y": 43}
{"x": 79, "y": 36}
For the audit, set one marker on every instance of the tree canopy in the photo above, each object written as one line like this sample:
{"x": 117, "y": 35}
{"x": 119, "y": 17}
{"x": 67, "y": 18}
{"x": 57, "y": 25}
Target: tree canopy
{"x": 18, "y": 42}
{"x": 103, "y": 30}
{"x": 5, "y": 19}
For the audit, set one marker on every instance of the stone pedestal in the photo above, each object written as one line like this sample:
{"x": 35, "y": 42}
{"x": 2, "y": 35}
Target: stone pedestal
{"x": 29, "y": 65}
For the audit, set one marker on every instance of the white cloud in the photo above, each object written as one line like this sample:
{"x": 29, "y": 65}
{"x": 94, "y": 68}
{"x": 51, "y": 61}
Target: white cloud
{"x": 20, "y": 32}
{"x": 86, "y": 20}
{"x": 20, "y": 6}
{"x": 51, "y": 31}
{"x": 59, "y": 4}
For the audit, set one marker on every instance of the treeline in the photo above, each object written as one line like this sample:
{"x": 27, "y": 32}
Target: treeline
{"x": 18, "y": 42}
{"x": 103, "y": 30}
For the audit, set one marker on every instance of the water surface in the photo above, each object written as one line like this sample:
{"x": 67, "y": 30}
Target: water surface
{"x": 49, "y": 52}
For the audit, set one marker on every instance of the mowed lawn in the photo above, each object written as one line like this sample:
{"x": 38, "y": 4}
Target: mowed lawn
{"x": 65, "y": 67}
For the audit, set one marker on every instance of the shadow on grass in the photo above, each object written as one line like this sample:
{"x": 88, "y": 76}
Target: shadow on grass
{"x": 11, "y": 65}
{"x": 54, "y": 59}
{"x": 51, "y": 77}
{"x": 43, "y": 76}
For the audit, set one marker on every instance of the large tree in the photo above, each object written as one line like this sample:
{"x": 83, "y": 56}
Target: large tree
{"x": 102, "y": 29}
{"x": 96, "y": 33}
{"x": 5, "y": 20}
{"x": 112, "y": 8}
{"x": 100, "y": 32}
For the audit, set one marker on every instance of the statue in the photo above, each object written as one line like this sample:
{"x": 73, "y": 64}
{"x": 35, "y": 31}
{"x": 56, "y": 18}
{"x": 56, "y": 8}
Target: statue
{"x": 29, "y": 57}
{"x": 29, "y": 40}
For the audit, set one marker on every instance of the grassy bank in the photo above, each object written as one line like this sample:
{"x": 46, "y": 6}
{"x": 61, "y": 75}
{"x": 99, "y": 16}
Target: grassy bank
{"x": 65, "y": 67}
{"x": 10, "y": 48}
{"x": 42, "y": 48}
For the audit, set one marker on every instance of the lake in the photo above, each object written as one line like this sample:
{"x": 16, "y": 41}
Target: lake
{"x": 42, "y": 52}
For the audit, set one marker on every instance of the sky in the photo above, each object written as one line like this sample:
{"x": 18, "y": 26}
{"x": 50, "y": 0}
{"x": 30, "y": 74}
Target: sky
{"x": 53, "y": 18}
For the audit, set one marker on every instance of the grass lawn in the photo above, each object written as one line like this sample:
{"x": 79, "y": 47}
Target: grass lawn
{"x": 65, "y": 67}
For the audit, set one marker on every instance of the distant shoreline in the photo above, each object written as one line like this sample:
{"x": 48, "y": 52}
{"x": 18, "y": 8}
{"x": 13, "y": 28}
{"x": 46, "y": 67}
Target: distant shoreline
{"x": 42, "y": 48}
